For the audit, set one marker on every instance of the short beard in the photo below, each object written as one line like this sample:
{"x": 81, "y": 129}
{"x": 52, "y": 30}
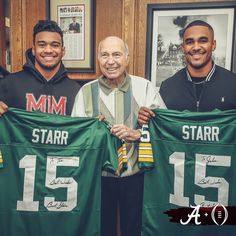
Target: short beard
{"x": 199, "y": 66}
{"x": 47, "y": 67}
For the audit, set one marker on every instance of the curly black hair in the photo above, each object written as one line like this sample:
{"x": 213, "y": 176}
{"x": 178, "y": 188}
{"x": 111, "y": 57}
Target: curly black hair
{"x": 48, "y": 26}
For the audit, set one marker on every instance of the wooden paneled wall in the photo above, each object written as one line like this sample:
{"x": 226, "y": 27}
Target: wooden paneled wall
{"x": 24, "y": 15}
{"x": 2, "y": 34}
{"x": 140, "y": 33}
{"x": 123, "y": 18}
{"x": 108, "y": 22}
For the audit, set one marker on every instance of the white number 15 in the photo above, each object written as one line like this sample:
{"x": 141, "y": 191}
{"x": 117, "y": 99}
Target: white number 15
{"x": 28, "y": 162}
{"x": 201, "y": 180}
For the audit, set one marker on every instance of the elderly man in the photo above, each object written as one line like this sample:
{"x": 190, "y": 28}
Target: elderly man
{"x": 118, "y": 96}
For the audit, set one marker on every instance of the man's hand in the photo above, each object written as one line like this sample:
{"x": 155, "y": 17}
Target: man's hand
{"x": 3, "y": 108}
{"x": 101, "y": 118}
{"x": 125, "y": 133}
{"x": 144, "y": 115}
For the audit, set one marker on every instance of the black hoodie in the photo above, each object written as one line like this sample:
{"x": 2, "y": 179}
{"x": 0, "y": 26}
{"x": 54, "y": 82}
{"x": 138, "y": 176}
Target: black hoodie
{"x": 29, "y": 90}
{"x": 3, "y": 72}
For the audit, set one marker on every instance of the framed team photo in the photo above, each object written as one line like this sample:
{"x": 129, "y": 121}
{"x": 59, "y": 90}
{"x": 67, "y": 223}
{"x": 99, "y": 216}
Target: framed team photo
{"x": 165, "y": 24}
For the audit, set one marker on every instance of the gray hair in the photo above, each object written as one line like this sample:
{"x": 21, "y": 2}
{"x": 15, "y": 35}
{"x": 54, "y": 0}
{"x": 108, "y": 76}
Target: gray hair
{"x": 125, "y": 46}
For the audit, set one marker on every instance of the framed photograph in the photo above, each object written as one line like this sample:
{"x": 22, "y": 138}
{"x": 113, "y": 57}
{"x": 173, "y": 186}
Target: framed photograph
{"x": 165, "y": 24}
{"x": 77, "y": 21}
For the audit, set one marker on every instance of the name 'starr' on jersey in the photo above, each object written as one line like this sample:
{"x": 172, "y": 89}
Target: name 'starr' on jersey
{"x": 56, "y": 137}
{"x": 201, "y": 133}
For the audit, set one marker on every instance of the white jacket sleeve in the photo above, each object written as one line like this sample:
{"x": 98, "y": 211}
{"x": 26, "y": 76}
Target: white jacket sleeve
{"x": 153, "y": 97}
{"x": 146, "y": 94}
{"x": 78, "y": 107}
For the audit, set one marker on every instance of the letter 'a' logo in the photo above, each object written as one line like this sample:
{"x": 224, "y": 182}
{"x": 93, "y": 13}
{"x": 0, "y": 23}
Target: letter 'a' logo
{"x": 219, "y": 214}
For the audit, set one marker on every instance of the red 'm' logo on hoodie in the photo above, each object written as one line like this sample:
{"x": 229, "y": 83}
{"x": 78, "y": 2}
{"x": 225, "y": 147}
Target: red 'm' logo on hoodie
{"x": 46, "y": 103}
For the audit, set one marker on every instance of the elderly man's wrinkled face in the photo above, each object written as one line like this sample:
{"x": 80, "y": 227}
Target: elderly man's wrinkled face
{"x": 113, "y": 59}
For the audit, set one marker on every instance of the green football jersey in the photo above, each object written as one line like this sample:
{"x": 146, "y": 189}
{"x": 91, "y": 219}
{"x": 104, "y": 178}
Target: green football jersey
{"x": 195, "y": 165}
{"x": 51, "y": 173}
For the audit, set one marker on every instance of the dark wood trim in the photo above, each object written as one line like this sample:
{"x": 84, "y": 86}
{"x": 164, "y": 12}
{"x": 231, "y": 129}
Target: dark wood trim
{"x": 2, "y": 35}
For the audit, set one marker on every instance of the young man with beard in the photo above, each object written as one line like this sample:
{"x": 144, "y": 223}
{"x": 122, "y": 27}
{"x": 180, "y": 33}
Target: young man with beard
{"x": 201, "y": 85}
{"x": 43, "y": 83}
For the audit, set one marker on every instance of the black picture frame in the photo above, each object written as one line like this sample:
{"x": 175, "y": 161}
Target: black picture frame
{"x": 209, "y": 10}
{"x": 87, "y": 62}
